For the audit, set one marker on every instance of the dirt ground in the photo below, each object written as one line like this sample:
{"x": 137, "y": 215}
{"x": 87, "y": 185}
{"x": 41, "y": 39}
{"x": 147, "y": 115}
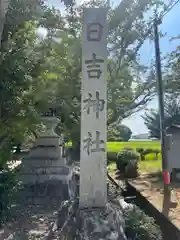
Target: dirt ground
{"x": 29, "y": 223}
{"x": 151, "y": 187}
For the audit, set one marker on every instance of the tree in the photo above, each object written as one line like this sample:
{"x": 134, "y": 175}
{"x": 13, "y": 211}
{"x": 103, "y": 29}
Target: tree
{"x": 128, "y": 92}
{"x": 172, "y": 116}
{"x": 125, "y": 133}
{"x": 171, "y": 79}
{"x": 130, "y": 85}
{"x": 172, "y": 71}
{"x": 3, "y": 9}
{"x": 119, "y": 133}
{"x": 25, "y": 87}
{"x": 37, "y": 72}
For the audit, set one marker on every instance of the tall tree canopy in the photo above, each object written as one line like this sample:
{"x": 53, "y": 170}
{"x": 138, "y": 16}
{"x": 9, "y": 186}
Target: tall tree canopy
{"x": 130, "y": 85}
{"x": 24, "y": 70}
{"x": 171, "y": 80}
{"x": 172, "y": 116}
{"x": 172, "y": 70}
{"x": 118, "y": 132}
{"x": 40, "y": 71}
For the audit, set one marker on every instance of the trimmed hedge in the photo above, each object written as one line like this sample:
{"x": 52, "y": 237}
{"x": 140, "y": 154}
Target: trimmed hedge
{"x": 111, "y": 157}
{"x": 143, "y": 152}
{"x": 127, "y": 163}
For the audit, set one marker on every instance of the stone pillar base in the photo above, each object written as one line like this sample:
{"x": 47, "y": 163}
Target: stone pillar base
{"x": 92, "y": 224}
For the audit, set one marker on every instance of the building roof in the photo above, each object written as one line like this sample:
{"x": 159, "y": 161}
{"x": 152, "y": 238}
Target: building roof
{"x": 173, "y": 127}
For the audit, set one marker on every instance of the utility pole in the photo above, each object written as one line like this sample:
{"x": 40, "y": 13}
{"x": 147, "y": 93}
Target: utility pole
{"x": 167, "y": 193}
{"x": 3, "y": 10}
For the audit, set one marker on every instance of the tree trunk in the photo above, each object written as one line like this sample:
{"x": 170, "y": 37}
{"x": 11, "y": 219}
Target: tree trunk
{"x": 3, "y": 10}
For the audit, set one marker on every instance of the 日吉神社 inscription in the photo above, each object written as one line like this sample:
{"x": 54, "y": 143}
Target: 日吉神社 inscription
{"x": 94, "y": 67}
{"x": 93, "y": 146}
{"x": 93, "y": 175}
{"x": 94, "y": 31}
{"x": 97, "y": 104}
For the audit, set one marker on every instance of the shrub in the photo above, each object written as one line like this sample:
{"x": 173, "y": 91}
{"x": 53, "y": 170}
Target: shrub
{"x": 127, "y": 163}
{"x": 131, "y": 170}
{"x": 144, "y": 152}
{"x": 118, "y": 132}
{"x": 8, "y": 187}
{"x": 111, "y": 157}
{"x": 128, "y": 149}
{"x": 156, "y": 151}
{"x": 148, "y": 151}
{"x": 141, "y": 152}
{"x": 140, "y": 226}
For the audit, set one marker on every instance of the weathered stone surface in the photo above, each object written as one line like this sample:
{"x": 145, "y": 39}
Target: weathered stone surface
{"x": 93, "y": 187}
{"x": 44, "y": 161}
{"x": 46, "y": 151}
{"x": 41, "y": 178}
{"x": 45, "y": 170}
{"x": 49, "y": 192}
{"x": 107, "y": 224}
{"x": 92, "y": 224}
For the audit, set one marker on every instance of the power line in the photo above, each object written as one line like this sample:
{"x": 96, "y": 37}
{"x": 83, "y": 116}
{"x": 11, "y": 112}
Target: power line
{"x": 162, "y": 15}
{"x": 151, "y": 23}
{"x": 170, "y": 8}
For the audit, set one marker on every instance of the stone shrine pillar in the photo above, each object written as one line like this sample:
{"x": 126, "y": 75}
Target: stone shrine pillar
{"x": 44, "y": 172}
{"x": 93, "y": 166}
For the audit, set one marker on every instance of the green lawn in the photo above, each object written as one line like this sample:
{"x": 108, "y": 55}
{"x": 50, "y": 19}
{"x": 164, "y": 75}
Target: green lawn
{"x": 150, "y": 166}
{"x": 117, "y": 146}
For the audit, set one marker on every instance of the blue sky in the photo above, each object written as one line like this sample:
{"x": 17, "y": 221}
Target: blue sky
{"x": 170, "y": 26}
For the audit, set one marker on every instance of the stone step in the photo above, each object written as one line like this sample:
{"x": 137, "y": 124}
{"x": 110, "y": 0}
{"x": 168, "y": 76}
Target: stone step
{"x": 34, "y": 178}
{"x": 52, "y": 201}
{"x": 48, "y": 152}
{"x": 44, "y": 161}
{"x": 44, "y": 170}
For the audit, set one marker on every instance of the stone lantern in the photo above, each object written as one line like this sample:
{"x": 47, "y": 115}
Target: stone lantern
{"x": 48, "y": 137}
{"x": 45, "y": 168}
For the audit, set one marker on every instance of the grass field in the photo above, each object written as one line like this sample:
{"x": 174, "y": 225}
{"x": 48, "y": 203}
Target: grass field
{"x": 117, "y": 146}
{"x": 149, "y": 165}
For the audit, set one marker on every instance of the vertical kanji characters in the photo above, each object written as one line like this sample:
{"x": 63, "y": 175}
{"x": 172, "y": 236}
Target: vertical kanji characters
{"x": 89, "y": 143}
{"x": 97, "y": 104}
{"x": 94, "y": 67}
{"x": 94, "y": 32}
